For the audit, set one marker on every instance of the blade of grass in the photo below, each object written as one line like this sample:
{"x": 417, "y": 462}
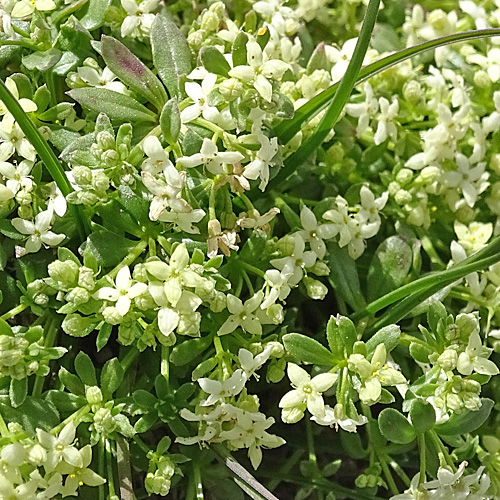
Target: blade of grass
{"x": 287, "y": 129}
{"x": 341, "y": 96}
{"x": 43, "y": 149}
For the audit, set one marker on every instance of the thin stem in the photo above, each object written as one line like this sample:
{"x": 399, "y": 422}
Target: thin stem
{"x": 198, "y": 485}
{"x": 4, "y": 431}
{"x": 43, "y": 149}
{"x": 129, "y": 358}
{"x": 341, "y": 96}
{"x": 252, "y": 269}
{"x": 130, "y": 258}
{"x": 101, "y": 466}
{"x": 74, "y": 417}
{"x": 14, "y": 312}
{"x": 52, "y": 328}
{"x": 285, "y": 469}
{"x": 423, "y": 465}
{"x": 442, "y": 448}
{"x": 109, "y": 469}
{"x": 141, "y": 444}
{"x": 387, "y": 474}
{"x": 399, "y": 471}
{"x": 164, "y": 366}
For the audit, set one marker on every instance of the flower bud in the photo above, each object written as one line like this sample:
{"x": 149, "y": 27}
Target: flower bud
{"x": 86, "y": 278}
{"x": 448, "y": 360}
{"x": 286, "y": 245}
{"x": 37, "y": 455}
{"x": 105, "y": 140}
{"x": 412, "y": 92}
{"x": 404, "y": 176}
{"x": 320, "y": 269}
{"x": 65, "y": 273}
{"x": 209, "y": 21}
{"x": 104, "y": 422}
{"x": 231, "y": 89}
{"x": 157, "y": 484}
{"x": 93, "y": 395}
{"x": 482, "y": 79}
{"x": 217, "y": 301}
{"x": 428, "y": 175}
{"x": 315, "y": 289}
{"x": 100, "y": 181}
{"x": 82, "y": 175}
{"x": 402, "y": 197}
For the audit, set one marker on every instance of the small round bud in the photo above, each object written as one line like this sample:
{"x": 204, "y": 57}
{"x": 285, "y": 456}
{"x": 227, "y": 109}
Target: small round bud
{"x": 112, "y": 316}
{"x": 404, "y": 176}
{"x": 104, "y": 422}
{"x": 82, "y": 175}
{"x": 65, "y": 273}
{"x": 209, "y": 21}
{"x": 482, "y": 79}
{"x": 315, "y": 289}
{"x": 402, "y": 197}
{"x": 93, "y": 395}
{"x": 231, "y": 89}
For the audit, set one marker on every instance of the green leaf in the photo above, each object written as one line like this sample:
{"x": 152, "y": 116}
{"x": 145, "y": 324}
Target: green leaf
{"x": 5, "y": 328}
{"x": 171, "y": 53}
{"x": 213, "y": 61}
{"x": 395, "y": 427}
{"x": 344, "y": 276}
{"x": 71, "y": 382}
{"x": 188, "y": 350}
{"x": 420, "y": 352}
{"x": 103, "y": 336}
{"x": 33, "y": 414}
{"x": 94, "y": 17}
{"x": 18, "y": 391}
{"x": 111, "y": 377}
{"x": 170, "y": 121}
{"x": 132, "y": 72}
{"x": 117, "y": 106}
{"x": 145, "y": 422}
{"x": 144, "y": 398}
{"x": 422, "y": 415}
{"x": 389, "y": 335}
{"x": 389, "y": 267}
{"x": 109, "y": 248}
{"x": 239, "y": 49}
{"x": 341, "y": 335}
{"x": 65, "y": 402}
{"x": 308, "y": 350}
{"x": 467, "y": 422}
{"x": 42, "y": 61}
{"x": 85, "y": 369}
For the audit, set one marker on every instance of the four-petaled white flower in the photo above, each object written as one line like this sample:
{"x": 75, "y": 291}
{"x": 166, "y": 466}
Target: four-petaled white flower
{"x": 211, "y": 157}
{"x": 315, "y": 233}
{"x": 17, "y": 176}
{"x": 38, "y": 231}
{"x": 218, "y": 391}
{"x": 307, "y": 392}
{"x": 386, "y": 126}
{"x": 250, "y": 363}
{"x": 335, "y": 417}
{"x": 242, "y": 315}
{"x": 124, "y": 291}
{"x": 474, "y": 358}
{"x": 199, "y": 95}
{"x": 259, "y": 167}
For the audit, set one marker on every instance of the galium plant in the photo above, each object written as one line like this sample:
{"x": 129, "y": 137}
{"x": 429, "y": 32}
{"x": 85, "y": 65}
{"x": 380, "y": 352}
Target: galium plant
{"x": 255, "y": 232}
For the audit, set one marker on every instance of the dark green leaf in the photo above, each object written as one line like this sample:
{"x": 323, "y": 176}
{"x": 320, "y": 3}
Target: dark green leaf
{"x": 395, "y": 427}
{"x": 71, "y": 382}
{"x": 85, "y": 369}
{"x": 111, "y": 377}
{"x": 188, "y": 350}
{"x": 422, "y": 415}
{"x": 341, "y": 335}
{"x": 117, "y": 106}
{"x": 18, "y": 391}
{"x": 239, "y": 49}
{"x": 65, "y": 402}
{"x": 308, "y": 350}
{"x": 132, "y": 72}
{"x": 144, "y": 398}
{"x": 108, "y": 248}
{"x": 467, "y": 422}
{"x": 389, "y": 335}
{"x": 145, "y": 422}
{"x": 344, "y": 276}
{"x": 171, "y": 53}
{"x": 103, "y": 336}
{"x": 390, "y": 267}
{"x": 213, "y": 61}
{"x": 170, "y": 121}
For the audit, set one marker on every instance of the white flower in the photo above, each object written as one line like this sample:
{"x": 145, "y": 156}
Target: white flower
{"x": 335, "y": 417}
{"x": 38, "y": 231}
{"x": 277, "y": 286}
{"x": 371, "y": 206}
{"x": 251, "y": 364}
{"x": 27, "y": 104}
{"x": 184, "y": 219}
{"x": 57, "y": 201}
{"x": 307, "y": 392}
{"x": 98, "y": 78}
{"x": 199, "y": 95}
{"x": 124, "y": 291}
{"x": 386, "y": 127}
{"x": 474, "y": 237}
{"x": 259, "y": 166}
{"x": 315, "y": 233}
{"x": 363, "y": 110}
{"x": 458, "y": 254}
{"x": 470, "y": 180}
{"x": 210, "y": 156}
{"x": 242, "y": 315}
{"x": 218, "y": 391}
{"x": 17, "y": 176}
{"x": 139, "y": 20}
{"x": 474, "y": 358}
{"x": 60, "y": 448}
{"x": 157, "y": 157}
{"x": 25, "y": 8}
{"x": 341, "y": 58}
{"x": 283, "y": 19}
{"x": 13, "y": 140}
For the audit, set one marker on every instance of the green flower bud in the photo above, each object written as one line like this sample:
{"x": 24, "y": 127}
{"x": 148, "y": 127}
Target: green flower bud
{"x": 286, "y": 245}
{"x": 275, "y": 370}
{"x": 104, "y": 421}
{"x": 18, "y": 371}
{"x": 417, "y": 215}
{"x": 195, "y": 39}
{"x": 82, "y": 175}
{"x": 292, "y": 415}
{"x": 112, "y": 316}
{"x": 100, "y": 181}
{"x": 404, "y": 176}
{"x": 78, "y": 296}
{"x": 209, "y": 21}
{"x": 412, "y": 92}
{"x": 37, "y": 455}
{"x": 428, "y": 175}
{"x": 231, "y": 89}
{"x": 157, "y": 484}
{"x": 321, "y": 79}
{"x": 12, "y": 350}
{"x": 275, "y": 313}
{"x": 110, "y": 158}
{"x": 482, "y": 79}
{"x": 93, "y": 395}
{"x": 105, "y": 140}
{"x": 189, "y": 324}
{"x": 86, "y": 278}
{"x": 393, "y": 188}
{"x": 495, "y": 163}
{"x": 448, "y": 360}
{"x": 217, "y": 301}
{"x": 320, "y": 269}
{"x": 64, "y": 273}
{"x": 218, "y": 8}
{"x": 402, "y": 197}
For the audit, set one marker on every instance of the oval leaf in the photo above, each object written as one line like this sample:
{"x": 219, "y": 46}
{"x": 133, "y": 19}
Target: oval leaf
{"x": 468, "y": 422}
{"x": 423, "y": 416}
{"x": 389, "y": 335}
{"x": 308, "y": 350}
{"x": 395, "y": 427}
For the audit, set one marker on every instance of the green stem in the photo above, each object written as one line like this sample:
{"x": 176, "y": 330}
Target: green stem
{"x": 101, "y": 460}
{"x": 130, "y": 258}
{"x": 52, "y": 328}
{"x": 387, "y": 473}
{"x": 252, "y": 269}
{"x": 211, "y": 203}
{"x": 110, "y": 479}
{"x": 287, "y": 129}
{"x": 198, "y": 485}
{"x": 129, "y": 358}
{"x": 76, "y": 417}
{"x": 141, "y": 444}
{"x": 399, "y": 471}
{"x": 43, "y": 149}
{"x": 442, "y": 448}
{"x": 310, "y": 443}
{"x": 14, "y": 312}
{"x": 285, "y": 469}
{"x": 340, "y": 98}
{"x": 423, "y": 465}
{"x": 164, "y": 365}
